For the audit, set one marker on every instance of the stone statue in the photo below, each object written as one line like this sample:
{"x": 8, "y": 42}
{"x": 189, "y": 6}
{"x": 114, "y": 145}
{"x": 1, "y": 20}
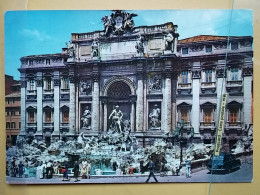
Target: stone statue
{"x": 86, "y": 117}
{"x": 155, "y": 83}
{"x": 155, "y": 117}
{"x": 108, "y": 24}
{"x": 140, "y": 45}
{"x": 116, "y": 116}
{"x": 94, "y": 49}
{"x": 128, "y": 21}
{"x": 71, "y": 51}
{"x": 169, "y": 41}
{"x": 85, "y": 87}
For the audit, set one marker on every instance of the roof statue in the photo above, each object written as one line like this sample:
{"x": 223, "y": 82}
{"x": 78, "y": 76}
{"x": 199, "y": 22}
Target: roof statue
{"x": 118, "y": 23}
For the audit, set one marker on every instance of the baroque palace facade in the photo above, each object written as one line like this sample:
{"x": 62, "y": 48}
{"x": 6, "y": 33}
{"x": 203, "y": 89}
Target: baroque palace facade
{"x": 139, "y": 78}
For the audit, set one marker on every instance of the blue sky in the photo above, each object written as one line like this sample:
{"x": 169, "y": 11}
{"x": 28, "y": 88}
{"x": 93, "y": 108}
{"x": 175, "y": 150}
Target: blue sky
{"x": 45, "y": 32}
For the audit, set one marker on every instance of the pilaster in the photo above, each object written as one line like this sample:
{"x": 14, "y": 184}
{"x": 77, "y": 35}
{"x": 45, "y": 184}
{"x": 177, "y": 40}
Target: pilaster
{"x": 23, "y": 108}
{"x": 72, "y": 118}
{"x": 196, "y": 75}
{"x": 140, "y": 102}
{"x": 56, "y": 114}
{"x": 247, "y": 85}
{"x": 167, "y": 109}
{"x": 39, "y": 86}
{"x": 95, "y": 103}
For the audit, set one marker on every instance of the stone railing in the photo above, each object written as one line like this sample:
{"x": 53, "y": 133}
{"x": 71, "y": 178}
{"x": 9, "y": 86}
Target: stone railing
{"x": 208, "y": 84}
{"x": 184, "y": 85}
{"x": 207, "y": 124}
{"x": 235, "y": 83}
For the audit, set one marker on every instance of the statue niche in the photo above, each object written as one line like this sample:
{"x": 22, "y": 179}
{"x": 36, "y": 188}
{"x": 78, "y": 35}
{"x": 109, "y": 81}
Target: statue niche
{"x": 86, "y": 118}
{"x": 118, "y": 106}
{"x": 155, "y": 117}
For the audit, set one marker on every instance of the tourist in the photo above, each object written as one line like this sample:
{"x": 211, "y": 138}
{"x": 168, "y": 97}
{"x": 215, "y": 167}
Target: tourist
{"x": 88, "y": 169}
{"x": 20, "y": 169}
{"x": 49, "y": 170}
{"x": 84, "y": 168}
{"x": 26, "y": 169}
{"x": 57, "y": 167}
{"x": 76, "y": 171}
{"x": 65, "y": 171}
{"x": 43, "y": 168}
{"x": 131, "y": 170}
{"x": 188, "y": 167}
{"x": 13, "y": 168}
{"x": 151, "y": 167}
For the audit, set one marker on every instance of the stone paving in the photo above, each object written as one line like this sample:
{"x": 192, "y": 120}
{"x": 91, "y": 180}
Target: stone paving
{"x": 241, "y": 175}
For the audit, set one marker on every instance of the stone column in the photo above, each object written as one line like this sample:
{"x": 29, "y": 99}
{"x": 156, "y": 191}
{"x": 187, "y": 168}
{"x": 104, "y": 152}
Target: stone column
{"x": 132, "y": 117}
{"x": 23, "y": 108}
{"x": 72, "y": 118}
{"x": 105, "y": 115}
{"x": 101, "y": 117}
{"x": 56, "y": 115}
{"x": 140, "y": 103}
{"x": 95, "y": 103}
{"x": 174, "y": 107}
{"x": 39, "y": 86}
{"x": 220, "y": 91}
{"x": 145, "y": 127}
{"x": 167, "y": 111}
{"x": 77, "y": 108}
{"x": 247, "y": 87}
{"x": 196, "y": 75}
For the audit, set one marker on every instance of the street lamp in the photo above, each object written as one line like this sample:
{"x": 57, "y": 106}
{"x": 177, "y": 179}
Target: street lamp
{"x": 179, "y": 136}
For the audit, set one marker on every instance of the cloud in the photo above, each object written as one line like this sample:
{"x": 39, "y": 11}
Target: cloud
{"x": 35, "y": 34}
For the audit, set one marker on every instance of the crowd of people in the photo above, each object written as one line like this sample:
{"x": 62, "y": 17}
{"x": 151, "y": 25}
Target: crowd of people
{"x": 82, "y": 168}
{"x": 46, "y": 170}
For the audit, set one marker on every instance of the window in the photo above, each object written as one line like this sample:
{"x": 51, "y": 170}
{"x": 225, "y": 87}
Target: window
{"x": 30, "y": 62}
{"x": 208, "y": 48}
{"x": 208, "y": 74}
{"x": 234, "y": 74}
{"x": 7, "y": 125}
{"x": 233, "y": 117}
{"x": 48, "y": 84}
{"x": 19, "y": 125}
{"x": 31, "y": 84}
{"x": 7, "y": 113}
{"x": 48, "y": 116}
{"x": 184, "y": 77}
{"x": 184, "y": 50}
{"x": 234, "y": 46}
{"x": 13, "y": 125}
{"x": 31, "y": 117}
{"x": 65, "y": 83}
{"x": 184, "y": 115}
{"x": 207, "y": 117}
{"x": 12, "y": 113}
{"x": 48, "y": 61}
{"x": 13, "y": 101}
{"x": 65, "y": 116}
{"x": 8, "y": 101}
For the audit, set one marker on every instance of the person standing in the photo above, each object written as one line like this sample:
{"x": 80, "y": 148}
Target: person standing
{"x": 88, "y": 169}
{"x": 65, "y": 171}
{"x": 26, "y": 169}
{"x": 14, "y": 168}
{"x": 49, "y": 170}
{"x": 151, "y": 167}
{"x": 76, "y": 171}
{"x": 20, "y": 169}
{"x": 84, "y": 168}
{"x": 188, "y": 167}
